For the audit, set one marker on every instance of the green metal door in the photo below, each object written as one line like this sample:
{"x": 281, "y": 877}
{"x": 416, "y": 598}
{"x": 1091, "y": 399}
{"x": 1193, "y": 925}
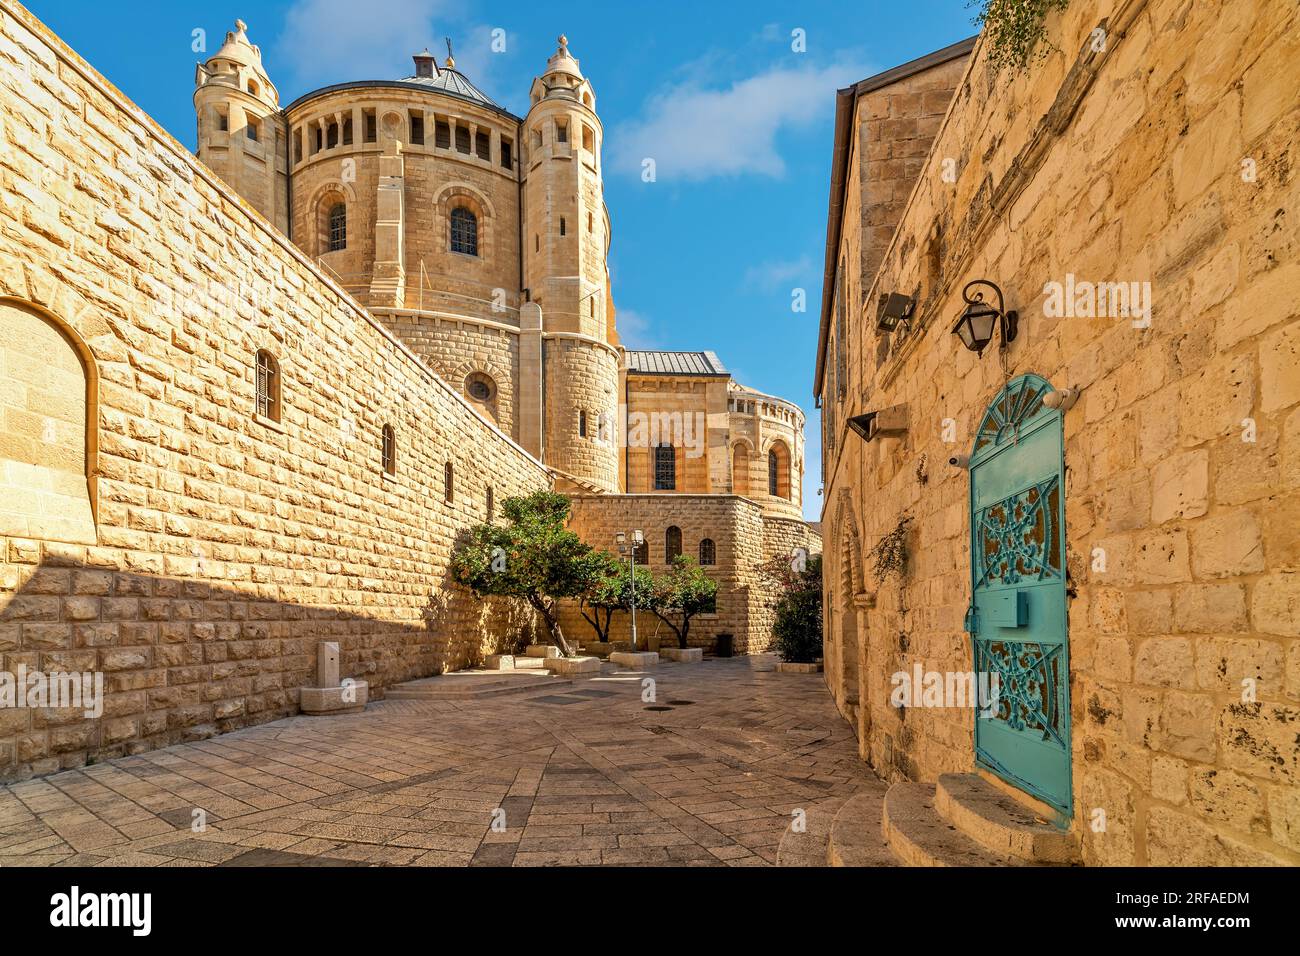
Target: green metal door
{"x": 1017, "y": 618}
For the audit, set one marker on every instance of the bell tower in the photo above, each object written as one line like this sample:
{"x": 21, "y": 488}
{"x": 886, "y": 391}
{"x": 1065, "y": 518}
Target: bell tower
{"x": 241, "y": 131}
{"x": 566, "y": 278}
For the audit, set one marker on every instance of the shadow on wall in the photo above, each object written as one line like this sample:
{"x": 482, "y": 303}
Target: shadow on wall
{"x": 183, "y": 660}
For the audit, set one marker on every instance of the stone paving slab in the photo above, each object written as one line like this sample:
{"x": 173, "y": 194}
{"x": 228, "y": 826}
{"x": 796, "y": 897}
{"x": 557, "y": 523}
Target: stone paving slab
{"x": 592, "y": 779}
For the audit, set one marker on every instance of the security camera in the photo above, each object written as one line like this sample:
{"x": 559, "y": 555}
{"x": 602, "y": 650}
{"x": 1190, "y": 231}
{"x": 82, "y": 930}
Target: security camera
{"x": 1062, "y": 399}
{"x": 959, "y": 461}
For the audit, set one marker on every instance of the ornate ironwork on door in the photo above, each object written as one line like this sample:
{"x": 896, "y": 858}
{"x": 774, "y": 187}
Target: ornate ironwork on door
{"x": 1017, "y": 617}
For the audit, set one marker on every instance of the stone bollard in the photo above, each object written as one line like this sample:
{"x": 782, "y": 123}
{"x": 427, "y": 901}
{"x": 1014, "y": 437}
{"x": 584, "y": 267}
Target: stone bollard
{"x": 332, "y": 695}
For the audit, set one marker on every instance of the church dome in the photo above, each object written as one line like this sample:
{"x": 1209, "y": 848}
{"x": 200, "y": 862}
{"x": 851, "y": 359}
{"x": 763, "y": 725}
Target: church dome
{"x": 446, "y": 79}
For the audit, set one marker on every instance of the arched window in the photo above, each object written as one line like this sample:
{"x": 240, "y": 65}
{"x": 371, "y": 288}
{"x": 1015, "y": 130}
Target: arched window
{"x": 448, "y": 484}
{"x": 268, "y": 386}
{"x": 665, "y": 468}
{"x": 708, "y": 552}
{"x": 778, "y": 471}
{"x": 740, "y": 470}
{"x": 672, "y": 543}
{"x": 48, "y": 428}
{"x": 464, "y": 231}
{"x": 388, "y": 451}
{"x": 338, "y": 226}
{"x": 480, "y": 387}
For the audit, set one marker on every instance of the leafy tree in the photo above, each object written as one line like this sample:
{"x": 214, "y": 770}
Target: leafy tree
{"x": 680, "y": 593}
{"x": 531, "y": 556}
{"x": 608, "y": 589}
{"x": 797, "y": 630}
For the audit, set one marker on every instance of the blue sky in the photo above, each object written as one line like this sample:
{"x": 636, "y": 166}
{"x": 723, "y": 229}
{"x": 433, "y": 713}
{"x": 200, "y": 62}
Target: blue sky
{"x": 739, "y": 125}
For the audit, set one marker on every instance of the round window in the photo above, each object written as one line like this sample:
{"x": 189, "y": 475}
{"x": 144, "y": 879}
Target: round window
{"x": 479, "y": 387}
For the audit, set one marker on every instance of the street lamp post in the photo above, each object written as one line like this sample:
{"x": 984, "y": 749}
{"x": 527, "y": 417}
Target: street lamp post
{"x": 637, "y": 540}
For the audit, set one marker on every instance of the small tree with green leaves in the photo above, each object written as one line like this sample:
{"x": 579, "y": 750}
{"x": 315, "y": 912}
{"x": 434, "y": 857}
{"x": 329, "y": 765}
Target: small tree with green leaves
{"x": 531, "y": 556}
{"x": 797, "y": 631}
{"x": 680, "y": 593}
{"x": 609, "y": 589}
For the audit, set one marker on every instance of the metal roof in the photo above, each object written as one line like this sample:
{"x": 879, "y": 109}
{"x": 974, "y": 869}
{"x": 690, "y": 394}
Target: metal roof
{"x": 454, "y": 82}
{"x": 675, "y": 363}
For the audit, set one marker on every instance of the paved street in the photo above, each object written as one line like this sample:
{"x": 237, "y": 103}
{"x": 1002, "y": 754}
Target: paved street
{"x": 585, "y": 774}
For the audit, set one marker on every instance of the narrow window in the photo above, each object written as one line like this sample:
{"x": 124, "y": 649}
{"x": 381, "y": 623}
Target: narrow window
{"x": 491, "y": 505}
{"x": 507, "y": 160}
{"x": 462, "y": 139}
{"x": 537, "y": 138}
{"x": 318, "y": 139}
{"x": 665, "y": 468}
{"x": 268, "y": 386}
{"x": 223, "y": 121}
{"x": 331, "y": 135}
{"x": 561, "y": 133}
{"x": 338, "y": 227}
{"x": 371, "y": 126}
{"x": 417, "y": 128}
{"x": 448, "y": 485}
{"x": 464, "y": 231}
{"x": 582, "y": 424}
{"x": 672, "y": 543}
{"x": 773, "y": 471}
{"x": 708, "y": 552}
{"x": 251, "y": 129}
{"x": 483, "y": 145}
{"x": 589, "y": 222}
{"x": 297, "y": 146}
{"x": 537, "y": 243}
{"x": 347, "y": 131}
{"x": 388, "y": 451}
{"x": 252, "y": 87}
{"x": 588, "y": 139}
{"x": 442, "y": 134}
{"x": 563, "y": 227}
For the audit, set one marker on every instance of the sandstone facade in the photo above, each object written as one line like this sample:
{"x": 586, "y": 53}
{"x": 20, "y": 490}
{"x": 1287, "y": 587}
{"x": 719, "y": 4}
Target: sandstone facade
{"x": 1164, "y": 154}
{"x": 223, "y": 441}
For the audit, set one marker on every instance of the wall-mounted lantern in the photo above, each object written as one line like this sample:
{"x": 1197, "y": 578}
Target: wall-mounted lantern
{"x": 886, "y": 421}
{"x": 892, "y": 308}
{"x": 975, "y": 327}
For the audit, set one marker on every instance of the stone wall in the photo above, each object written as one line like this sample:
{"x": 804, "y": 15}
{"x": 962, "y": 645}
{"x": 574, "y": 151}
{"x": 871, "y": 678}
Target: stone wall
{"x": 734, "y": 524}
{"x": 1166, "y": 157}
{"x": 226, "y": 545}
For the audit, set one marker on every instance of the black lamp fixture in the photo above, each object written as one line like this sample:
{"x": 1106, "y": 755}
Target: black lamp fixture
{"x": 975, "y": 327}
{"x": 892, "y": 308}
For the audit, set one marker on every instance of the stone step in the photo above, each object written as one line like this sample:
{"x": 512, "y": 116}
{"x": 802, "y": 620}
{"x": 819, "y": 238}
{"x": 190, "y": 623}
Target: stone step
{"x": 809, "y": 847}
{"x": 472, "y": 685}
{"x": 918, "y": 836}
{"x": 1000, "y": 823}
{"x": 856, "y": 838}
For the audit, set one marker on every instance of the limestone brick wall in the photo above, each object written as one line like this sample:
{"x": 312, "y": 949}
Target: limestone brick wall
{"x": 435, "y": 180}
{"x": 1164, "y": 158}
{"x": 225, "y": 546}
{"x": 582, "y": 377}
{"x": 757, "y": 424}
{"x": 457, "y": 348}
{"x": 781, "y": 536}
{"x": 677, "y": 410}
{"x": 736, "y": 528}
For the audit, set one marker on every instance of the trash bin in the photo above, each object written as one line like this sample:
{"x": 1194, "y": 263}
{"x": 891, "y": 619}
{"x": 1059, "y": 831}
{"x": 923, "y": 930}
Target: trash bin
{"x": 722, "y": 645}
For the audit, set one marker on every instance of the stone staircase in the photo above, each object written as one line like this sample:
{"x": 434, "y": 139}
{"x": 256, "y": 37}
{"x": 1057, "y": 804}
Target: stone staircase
{"x": 963, "y": 820}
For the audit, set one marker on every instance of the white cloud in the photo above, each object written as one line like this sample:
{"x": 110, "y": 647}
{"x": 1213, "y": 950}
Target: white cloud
{"x": 634, "y": 330}
{"x": 780, "y": 274}
{"x": 336, "y": 41}
{"x": 694, "y": 132}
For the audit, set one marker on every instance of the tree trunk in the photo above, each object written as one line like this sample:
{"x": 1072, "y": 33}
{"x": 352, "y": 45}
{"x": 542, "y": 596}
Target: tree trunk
{"x": 552, "y": 624}
{"x": 681, "y": 637}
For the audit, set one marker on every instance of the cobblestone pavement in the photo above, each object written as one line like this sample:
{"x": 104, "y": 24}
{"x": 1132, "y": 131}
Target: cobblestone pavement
{"x": 585, "y": 774}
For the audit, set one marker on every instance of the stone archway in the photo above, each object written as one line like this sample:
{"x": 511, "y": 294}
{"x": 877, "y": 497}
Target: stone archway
{"x": 848, "y": 603}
